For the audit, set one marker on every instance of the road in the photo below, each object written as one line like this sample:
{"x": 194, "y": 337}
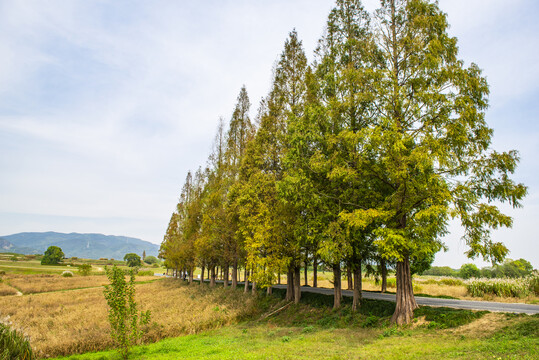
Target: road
{"x": 436, "y": 302}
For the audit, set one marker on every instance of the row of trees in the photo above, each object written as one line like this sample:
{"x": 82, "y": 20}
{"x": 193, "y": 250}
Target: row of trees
{"x": 361, "y": 156}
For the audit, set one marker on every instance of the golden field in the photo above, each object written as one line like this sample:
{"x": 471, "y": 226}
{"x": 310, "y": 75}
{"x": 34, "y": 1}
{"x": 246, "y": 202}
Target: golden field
{"x": 67, "y": 322}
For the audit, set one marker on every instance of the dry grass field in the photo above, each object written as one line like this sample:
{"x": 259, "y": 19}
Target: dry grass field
{"x": 39, "y": 283}
{"x": 67, "y": 322}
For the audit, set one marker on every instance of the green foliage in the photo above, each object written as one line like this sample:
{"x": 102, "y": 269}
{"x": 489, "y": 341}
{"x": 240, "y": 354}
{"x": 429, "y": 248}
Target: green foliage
{"x": 85, "y": 269}
{"x": 132, "y": 260}
{"x": 151, "y": 260}
{"x": 441, "y": 271}
{"x": 145, "y": 273}
{"x": 14, "y": 345}
{"x": 67, "y": 273}
{"x": 53, "y": 255}
{"x": 468, "y": 271}
{"x": 125, "y": 321}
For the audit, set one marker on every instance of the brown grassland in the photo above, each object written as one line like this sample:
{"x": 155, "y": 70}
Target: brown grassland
{"x": 39, "y": 283}
{"x": 68, "y": 322}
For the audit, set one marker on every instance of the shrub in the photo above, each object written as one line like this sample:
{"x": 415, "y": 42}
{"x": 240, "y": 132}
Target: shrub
{"x": 145, "y": 273}
{"x": 14, "y": 345}
{"x": 391, "y": 283}
{"x": 85, "y": 269}
{"x": 2, "y": 272}
{"x": 67, "y": 274}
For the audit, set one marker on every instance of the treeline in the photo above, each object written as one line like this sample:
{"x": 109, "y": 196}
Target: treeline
{"x": 509, "y": 269}
{"x": 361, "y": 156}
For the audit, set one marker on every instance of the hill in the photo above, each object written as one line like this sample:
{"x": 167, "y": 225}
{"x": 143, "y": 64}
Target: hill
{"x": 88, "y": 246}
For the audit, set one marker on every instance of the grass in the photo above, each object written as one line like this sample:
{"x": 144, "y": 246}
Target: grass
{"x": 312, "y": 331}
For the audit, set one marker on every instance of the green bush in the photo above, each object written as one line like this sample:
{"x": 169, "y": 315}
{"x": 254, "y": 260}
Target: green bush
{"x": 392, "y": 283}
{"x": 2, "y": 272}
{"x": 67, "y": 274}
{"x": 468, "y": 271}
{"x": 85, "y": 269}
{"x": 145, "y": 273}
{"x": 14, "y": 345}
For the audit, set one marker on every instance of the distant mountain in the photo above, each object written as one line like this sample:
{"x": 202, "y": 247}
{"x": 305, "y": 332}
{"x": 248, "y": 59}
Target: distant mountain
{"x": 6, "y": 246}
{"x": 88, "y": 246}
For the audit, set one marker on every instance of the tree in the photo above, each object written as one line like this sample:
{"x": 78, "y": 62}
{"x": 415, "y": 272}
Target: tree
{"x": 53, "y": 255}
{"x": 429, "y": 142}
{"x": 267, "y": 222}
{"x": 124, "y": 317}
{"x": 151, "y": 260}
{"x": 132, "y": 260}
{"x": 469, "y": 271}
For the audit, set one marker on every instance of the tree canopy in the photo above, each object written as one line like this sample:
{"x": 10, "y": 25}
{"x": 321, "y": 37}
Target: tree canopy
{"x": 53, "y": 255}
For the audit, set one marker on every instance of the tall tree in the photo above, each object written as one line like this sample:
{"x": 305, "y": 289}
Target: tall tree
{"x": 430, "y": 145}
{"x": 267, "y": 221}
{"x": 240, "y": 131}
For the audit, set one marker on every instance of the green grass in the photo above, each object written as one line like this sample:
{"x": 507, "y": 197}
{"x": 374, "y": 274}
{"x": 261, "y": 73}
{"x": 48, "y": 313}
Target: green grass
{"x": 262, "y": 341}
{"x": 312, "y": 330}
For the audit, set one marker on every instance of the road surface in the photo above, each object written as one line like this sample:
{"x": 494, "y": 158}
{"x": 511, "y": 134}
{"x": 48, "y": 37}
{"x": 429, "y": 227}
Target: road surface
{"x": 436, "y": 302}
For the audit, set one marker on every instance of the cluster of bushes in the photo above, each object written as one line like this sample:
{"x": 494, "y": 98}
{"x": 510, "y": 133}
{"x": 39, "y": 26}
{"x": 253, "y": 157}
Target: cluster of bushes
{"x": 520, "y": 287}
{"x": 509, "y": 269}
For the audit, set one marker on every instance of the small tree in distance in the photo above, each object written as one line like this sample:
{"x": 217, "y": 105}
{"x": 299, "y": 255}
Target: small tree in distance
{"x": 132, "y": 260}
{"x": 125, "y": 320}
{"x": 52, "y": 256}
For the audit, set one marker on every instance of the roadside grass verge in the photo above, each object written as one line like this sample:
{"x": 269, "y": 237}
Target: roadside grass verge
{"x": 283, "y": 336}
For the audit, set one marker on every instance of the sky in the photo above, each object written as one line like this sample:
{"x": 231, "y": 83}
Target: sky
{"x": 106, "y": 105}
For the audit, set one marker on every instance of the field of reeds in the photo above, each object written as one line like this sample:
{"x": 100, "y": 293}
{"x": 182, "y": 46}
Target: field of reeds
{"x": 517, "y": 288}
{"x": 75, "y": 321}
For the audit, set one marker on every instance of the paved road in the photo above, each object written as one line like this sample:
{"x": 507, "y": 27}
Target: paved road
{"x": 456, "y": 304}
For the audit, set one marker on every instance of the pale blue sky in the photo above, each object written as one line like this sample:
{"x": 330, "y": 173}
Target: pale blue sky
{"x": 105, "y": 105}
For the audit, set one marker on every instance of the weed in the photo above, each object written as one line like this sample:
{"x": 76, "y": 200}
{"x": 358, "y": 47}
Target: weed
{"x": 14, "y": 344}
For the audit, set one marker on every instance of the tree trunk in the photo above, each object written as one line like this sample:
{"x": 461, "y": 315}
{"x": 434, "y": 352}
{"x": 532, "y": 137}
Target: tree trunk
{"x": 290, "y": 284}
{"x": 213, "y": 276}
{"x": 269, "y": 290}
{"x": 305, "y": 272}
{"x": 191, "y": 276}
{"x": 225, "y": 279}
{"x": 337, "y": 292}
{"x": 357, "y": 286}
{"x": 297, "y": 284}
{"x": 406, "y": 304}
{"x": 246, "y": 280}
{"x": 349, "y": 276}
{"x": 234, "y": 274}
{"x": 383, "y": 270}
{"x": 253, "y": 288}
{"x": 315, "y": 272}
{"x": 202, "y": 275}
{"x": 279, "y": 277}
